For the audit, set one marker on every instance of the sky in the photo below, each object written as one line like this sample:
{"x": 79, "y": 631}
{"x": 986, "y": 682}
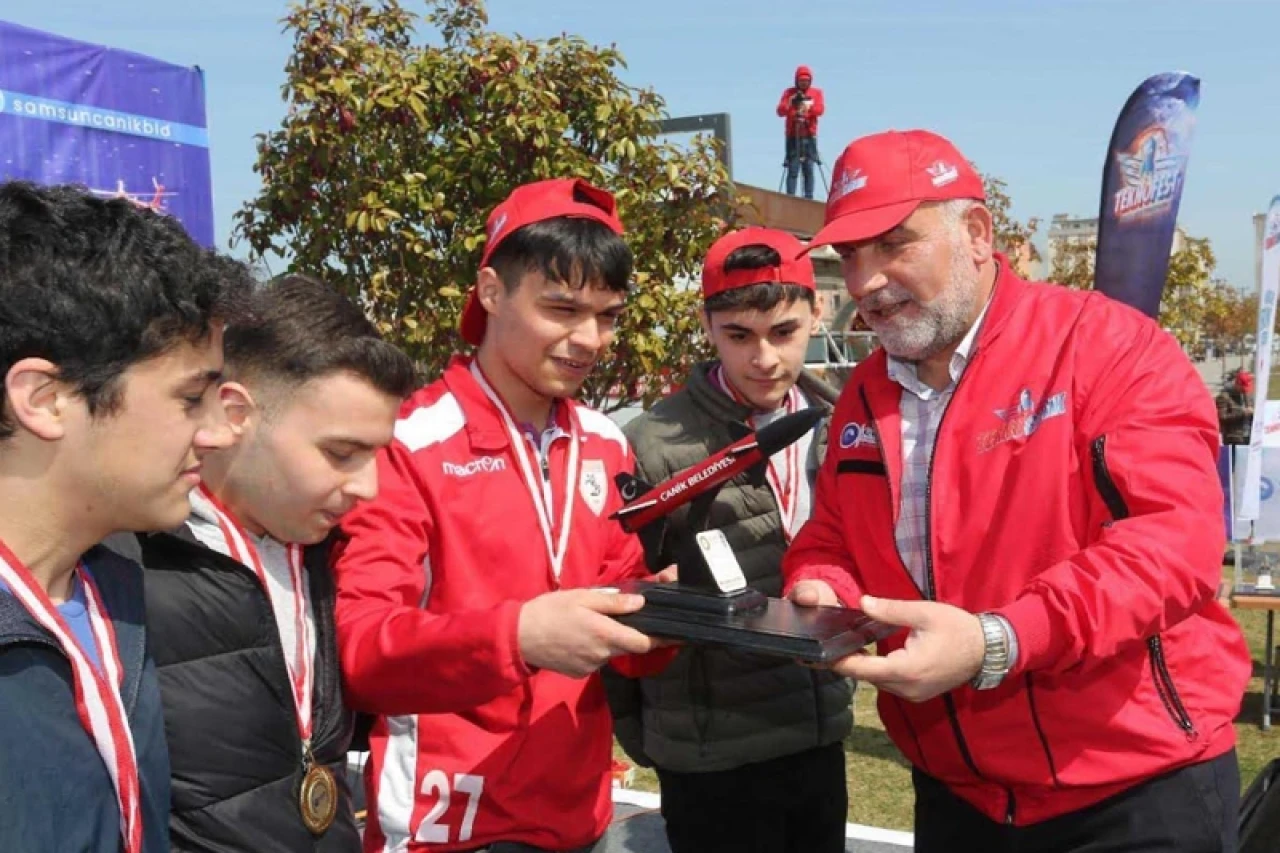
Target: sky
{"x": 1028, "y": 89}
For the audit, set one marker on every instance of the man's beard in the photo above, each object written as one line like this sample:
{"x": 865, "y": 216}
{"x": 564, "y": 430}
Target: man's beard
{"x": 943, "y": 322}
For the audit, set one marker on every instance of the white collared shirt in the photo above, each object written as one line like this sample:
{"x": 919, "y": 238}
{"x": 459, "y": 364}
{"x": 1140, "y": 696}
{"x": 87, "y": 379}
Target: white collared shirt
{"x": 922, "y": 408}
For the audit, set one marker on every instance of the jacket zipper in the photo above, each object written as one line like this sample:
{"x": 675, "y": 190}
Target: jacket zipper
{"x": 1044, "y": 740}
{"x": 702, "y": 698}
{"x": 862, "y": 393}
{"x": 931, "y": 594}
{"x": 929, "y": 591}
{"x": 322, "y": 612}
{"x": 1160, "y": 674}
{"x": 277, "y": 642}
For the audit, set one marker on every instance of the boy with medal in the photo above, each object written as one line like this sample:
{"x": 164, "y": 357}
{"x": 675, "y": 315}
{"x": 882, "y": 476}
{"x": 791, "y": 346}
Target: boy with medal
{"x": 240, "y": 598}
{"x": 110, "y": 351}
{"x": 770, "y": 775}
{"x": 466, "y": 615}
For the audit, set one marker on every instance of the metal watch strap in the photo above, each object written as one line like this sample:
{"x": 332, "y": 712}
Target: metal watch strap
{"x": 996, "y": 662}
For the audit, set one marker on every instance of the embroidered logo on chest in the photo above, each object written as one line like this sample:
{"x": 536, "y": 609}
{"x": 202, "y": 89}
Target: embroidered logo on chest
{"x": 1022, "y": 419}
{"x": 593, "y": 485}
{"x": 857, "y": 435}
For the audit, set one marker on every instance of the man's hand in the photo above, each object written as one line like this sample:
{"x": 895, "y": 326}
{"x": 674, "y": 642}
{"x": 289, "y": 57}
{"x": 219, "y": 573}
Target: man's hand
{"x": 814, "y": 593}
{"x": 570, "y": 631}
{"x": 944, "y": 649}
{"x": 671, "y": 574}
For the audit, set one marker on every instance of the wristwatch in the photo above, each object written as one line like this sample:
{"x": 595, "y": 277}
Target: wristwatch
{"x": 996, "y": 657}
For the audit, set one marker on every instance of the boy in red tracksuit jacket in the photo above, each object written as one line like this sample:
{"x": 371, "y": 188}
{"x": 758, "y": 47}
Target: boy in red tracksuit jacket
{"x": 801, "y": 105}
{"x": 465, "y": 614}
{"x": 1024, "y": 477}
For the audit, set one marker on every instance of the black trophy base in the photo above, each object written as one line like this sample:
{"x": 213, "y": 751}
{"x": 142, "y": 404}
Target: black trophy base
{"x": 770, "y": 626}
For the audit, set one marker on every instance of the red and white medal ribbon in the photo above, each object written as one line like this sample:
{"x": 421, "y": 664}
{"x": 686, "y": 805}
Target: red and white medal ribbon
{"x": 98, "y": 701}
{"x": 241, "y": 549}
{"x": 539, "y": 487}
{"x": 783, "y": 476}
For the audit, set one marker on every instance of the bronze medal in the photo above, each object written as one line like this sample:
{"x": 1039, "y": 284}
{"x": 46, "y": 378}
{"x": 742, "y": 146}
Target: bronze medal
{"x": 318, "y": 799}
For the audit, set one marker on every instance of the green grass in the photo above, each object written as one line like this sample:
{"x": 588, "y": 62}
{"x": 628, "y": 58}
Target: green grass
{"x": 880, "y": 778}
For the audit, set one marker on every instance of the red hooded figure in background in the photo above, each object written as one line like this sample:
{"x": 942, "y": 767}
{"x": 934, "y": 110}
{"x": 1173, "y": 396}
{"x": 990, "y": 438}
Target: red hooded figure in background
{"x": 801, "y": 105}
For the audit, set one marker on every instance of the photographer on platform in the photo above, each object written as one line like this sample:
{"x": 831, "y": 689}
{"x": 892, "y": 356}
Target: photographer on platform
{"x": 801, "y": 105}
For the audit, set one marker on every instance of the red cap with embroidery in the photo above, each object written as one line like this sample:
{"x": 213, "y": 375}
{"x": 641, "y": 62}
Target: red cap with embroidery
{"x": 795, "y": 268}
{"x": 880, "y": 180}
{"x": 568, "y": 197}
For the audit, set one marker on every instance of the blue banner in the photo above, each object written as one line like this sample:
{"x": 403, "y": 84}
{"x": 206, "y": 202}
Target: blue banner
{"x": 1141, "y": 188}
{"x": 119, "y": 123}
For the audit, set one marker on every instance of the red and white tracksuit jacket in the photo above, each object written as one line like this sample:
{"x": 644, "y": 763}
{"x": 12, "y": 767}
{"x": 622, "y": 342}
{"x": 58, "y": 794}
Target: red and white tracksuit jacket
{"x": 470, "y": 745}
{"x": 1073, "y": 490}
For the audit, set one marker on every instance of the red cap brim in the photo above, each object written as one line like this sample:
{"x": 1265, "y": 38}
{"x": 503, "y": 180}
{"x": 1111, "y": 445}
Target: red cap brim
{"x": 474, "y": 318}
{"x": 862, "y": 225}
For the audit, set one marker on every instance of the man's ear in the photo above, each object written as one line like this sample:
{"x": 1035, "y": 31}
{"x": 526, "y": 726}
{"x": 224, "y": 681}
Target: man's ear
{"x": 242, "y": 410}
{"x": 980, "y": 227}
{"x": 704, "y": 320}
{"x": 37, "y": 399}
{"x": 815, "y": 325}
{"x": 490, "y": 289}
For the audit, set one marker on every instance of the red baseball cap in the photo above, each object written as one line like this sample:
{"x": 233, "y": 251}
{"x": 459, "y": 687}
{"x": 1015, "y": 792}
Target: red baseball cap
{"x": 879, "y": 180}
{"x": 795, "y": 268}
{"x": 568, "y": 197}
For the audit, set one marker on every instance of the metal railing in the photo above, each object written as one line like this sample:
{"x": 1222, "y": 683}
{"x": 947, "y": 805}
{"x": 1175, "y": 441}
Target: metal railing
{"x": 831, "y": 355}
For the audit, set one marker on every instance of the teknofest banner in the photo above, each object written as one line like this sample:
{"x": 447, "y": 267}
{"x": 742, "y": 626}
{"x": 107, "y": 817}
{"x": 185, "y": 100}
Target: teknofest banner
{"x": 1250, "y": 495}
{"x": 1141, "y": 189}
{"x": 121, "y": 124}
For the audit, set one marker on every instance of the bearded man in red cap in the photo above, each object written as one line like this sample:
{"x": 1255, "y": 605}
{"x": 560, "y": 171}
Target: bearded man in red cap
{"x": 1024, "y": 478}
{"x": 801, "y": 105}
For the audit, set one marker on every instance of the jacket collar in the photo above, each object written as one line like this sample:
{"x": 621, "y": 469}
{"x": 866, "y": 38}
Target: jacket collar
{"x": 1008, "y": 292}
{"x": 17, "y": 625}
{"x": 484, "y": 425}
{"x": 721, "y": 407}
{"x": 119, "y": 580}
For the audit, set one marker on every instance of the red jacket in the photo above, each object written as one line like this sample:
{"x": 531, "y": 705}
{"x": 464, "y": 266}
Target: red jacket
{"x": 473, "y": 747}
{"x": 797, "y": 124}
{"x": 1073, "y": 490}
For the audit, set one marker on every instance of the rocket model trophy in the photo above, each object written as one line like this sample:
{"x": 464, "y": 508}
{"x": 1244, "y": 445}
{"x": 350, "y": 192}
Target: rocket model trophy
{"x": 711, "y": 603}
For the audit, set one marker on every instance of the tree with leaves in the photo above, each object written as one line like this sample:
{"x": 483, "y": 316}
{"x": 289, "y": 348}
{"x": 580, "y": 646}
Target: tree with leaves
{"x": 395, "y": 147}
{"x": 1193, "y": 296}
{"x": 1235, "y": 321}
{"x": 1011, "y": 236}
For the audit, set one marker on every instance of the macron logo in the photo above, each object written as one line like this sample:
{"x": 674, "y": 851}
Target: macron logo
{"x": 479, "y": 465}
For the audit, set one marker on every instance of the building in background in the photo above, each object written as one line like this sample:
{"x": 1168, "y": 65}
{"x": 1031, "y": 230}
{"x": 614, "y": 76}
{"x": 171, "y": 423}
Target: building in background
{"x": 802, "y": 218}
{"x": 1065, "y": 229}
